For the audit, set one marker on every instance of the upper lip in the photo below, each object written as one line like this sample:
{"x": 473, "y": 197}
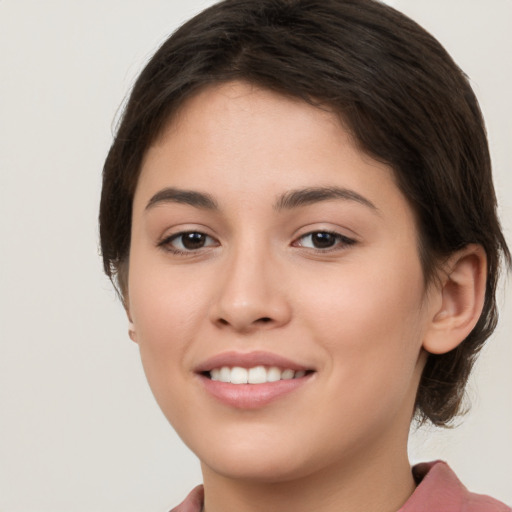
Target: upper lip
{"x": 249, "y": 360}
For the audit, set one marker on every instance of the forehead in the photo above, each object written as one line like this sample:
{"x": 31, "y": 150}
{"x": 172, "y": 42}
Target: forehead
{"x": 231, "y": 124}
{"x": 243, "y": 110}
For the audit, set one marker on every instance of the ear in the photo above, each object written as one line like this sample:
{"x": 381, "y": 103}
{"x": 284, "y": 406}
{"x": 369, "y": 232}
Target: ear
{"x": 458, "y": 299}
{"x": 131, "y": 327}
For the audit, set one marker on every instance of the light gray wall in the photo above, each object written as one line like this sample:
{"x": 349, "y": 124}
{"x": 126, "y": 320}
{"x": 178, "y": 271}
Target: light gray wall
{"x": 79, "y": 430}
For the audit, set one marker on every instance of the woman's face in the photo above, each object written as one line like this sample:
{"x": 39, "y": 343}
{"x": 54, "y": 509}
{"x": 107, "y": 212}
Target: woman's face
{"x": 264, "y": 240}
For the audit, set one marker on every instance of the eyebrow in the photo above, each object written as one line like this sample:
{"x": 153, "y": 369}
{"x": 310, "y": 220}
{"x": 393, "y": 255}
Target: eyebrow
{"x": 288, "y": 201}
{"x": 190, "y": 197}
{"x": 307, "y": 196}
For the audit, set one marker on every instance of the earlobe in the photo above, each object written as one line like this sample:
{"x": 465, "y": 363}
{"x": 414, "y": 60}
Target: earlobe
{"x": 131, "y": 331}
{"x": 131, "y": 328}
{"x": 461, "y": 294}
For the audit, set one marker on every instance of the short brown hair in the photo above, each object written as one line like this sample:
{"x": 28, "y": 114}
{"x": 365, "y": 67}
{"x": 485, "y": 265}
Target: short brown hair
{"x": 397, "y": 90}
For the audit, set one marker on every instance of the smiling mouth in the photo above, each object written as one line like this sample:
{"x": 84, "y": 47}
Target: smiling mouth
{"x": 254, "y": 375}
{"x": 251, "y": 381}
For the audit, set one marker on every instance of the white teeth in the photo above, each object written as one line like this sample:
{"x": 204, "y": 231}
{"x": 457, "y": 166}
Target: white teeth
{"x": 273, "y": 374}
{"x": 225, "y": 374}
{"x": 255, "y": 375}
{"x": 239, "y": 375}
{"x": 287, "y": 374}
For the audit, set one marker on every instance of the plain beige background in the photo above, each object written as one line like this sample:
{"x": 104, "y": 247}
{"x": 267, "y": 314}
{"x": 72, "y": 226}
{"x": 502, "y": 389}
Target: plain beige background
{"x": 79, "y": 429}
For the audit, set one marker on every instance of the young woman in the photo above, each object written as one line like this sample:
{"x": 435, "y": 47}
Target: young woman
{"x": 299, "y": 214}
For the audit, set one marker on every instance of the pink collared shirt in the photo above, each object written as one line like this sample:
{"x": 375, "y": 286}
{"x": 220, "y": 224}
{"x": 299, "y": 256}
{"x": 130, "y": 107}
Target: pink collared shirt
{"x": 439, "y": 490}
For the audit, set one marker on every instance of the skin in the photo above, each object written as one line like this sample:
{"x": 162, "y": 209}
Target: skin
{"x": 358, "y": 313}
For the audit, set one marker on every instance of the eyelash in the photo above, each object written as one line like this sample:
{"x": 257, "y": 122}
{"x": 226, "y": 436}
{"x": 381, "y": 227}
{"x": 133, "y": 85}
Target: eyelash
{"x": 166, "y": 244}
{"x": 341, "y": 242}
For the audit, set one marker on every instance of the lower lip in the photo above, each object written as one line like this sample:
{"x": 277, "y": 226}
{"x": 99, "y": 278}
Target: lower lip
{"x": 251, "y": 396}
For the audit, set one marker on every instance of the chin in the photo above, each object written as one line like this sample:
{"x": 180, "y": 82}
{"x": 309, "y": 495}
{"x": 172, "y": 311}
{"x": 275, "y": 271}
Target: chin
{"x": 257, "y": 469}
{"x": 249, "y": 458}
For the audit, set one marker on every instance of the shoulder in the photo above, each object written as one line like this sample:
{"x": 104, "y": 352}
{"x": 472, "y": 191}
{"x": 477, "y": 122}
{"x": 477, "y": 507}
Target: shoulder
{"x": 193, "y": 502}
{"x": 440, "y": 489}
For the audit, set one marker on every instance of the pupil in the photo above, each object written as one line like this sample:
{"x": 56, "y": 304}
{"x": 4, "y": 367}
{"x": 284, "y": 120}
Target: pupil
{"x": 193, "y": 240}
{"x": 323, "y": 240}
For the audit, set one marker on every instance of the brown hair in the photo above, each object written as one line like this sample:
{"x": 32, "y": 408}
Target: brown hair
{"x": 398, "y": 91}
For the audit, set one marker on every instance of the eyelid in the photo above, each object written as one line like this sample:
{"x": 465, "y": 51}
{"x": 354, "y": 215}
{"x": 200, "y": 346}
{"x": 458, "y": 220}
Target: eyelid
{"x": 165, "y": 243}
{"x": 343, "y": 241}
{"x": 165, "y": 233}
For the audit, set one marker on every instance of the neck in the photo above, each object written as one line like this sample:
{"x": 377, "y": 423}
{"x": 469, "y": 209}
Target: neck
{"x": 382, "y": 484}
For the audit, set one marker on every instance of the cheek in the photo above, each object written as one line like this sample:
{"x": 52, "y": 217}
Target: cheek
{"x": 370, "y": 320}
{"x": 164, "y": 301}
{"x": 372, "y": 336}
{"x": 166, "y": 306}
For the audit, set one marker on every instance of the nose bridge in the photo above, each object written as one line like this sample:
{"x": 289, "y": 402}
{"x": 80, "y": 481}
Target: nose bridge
{"x": 250, "y": 295}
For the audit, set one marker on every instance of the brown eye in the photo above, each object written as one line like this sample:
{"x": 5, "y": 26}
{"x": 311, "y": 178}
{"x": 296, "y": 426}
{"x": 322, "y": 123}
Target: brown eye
{"x": 324, "y": 240}
{"x": 193, "y": 241}
{"x": 188, "y": 241}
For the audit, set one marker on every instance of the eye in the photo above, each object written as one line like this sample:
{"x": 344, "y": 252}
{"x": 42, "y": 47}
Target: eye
{"x": 188, "y": 241}
{"x": 323, "y": 240}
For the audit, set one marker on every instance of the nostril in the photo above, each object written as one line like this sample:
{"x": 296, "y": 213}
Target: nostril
{"x": 262, "y": 320}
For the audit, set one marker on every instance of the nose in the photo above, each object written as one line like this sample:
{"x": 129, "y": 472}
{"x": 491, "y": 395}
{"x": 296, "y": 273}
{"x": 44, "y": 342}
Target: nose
{"x": 251, "y": 295}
